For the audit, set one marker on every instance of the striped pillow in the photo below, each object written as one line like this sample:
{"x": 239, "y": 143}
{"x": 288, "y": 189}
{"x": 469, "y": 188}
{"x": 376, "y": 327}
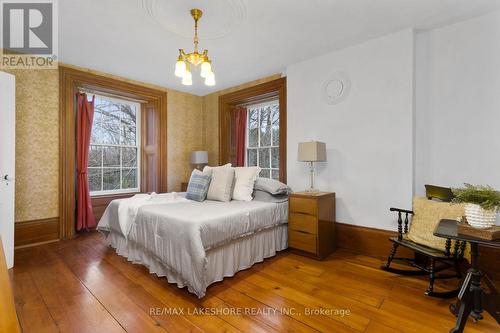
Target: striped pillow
{"x": 198, "y": 186}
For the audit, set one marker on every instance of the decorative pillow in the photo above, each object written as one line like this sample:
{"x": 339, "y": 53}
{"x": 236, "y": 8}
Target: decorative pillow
{"x": 427, "y": 215}
{"x": 208, "y": 169}
{"x": 244, "y": 182}
{"x": 271, "y": 186}
{"x": 198, "y": 186}
{"x": 221, "y": 186}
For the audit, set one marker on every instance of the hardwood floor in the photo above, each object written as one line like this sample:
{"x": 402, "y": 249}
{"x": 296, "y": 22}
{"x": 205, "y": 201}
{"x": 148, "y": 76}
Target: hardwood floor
{"x": 81, "y": 285}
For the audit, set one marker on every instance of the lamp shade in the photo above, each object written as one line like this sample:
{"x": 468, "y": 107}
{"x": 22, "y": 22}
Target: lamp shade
{"x": 312, "y": 151}
{"x": 206, "y": 69}
{"x": 210, "y": 79}
{"x": 187, "y": 79}
{"x": 180, "y": 68}
{"x": 199, "y": 157}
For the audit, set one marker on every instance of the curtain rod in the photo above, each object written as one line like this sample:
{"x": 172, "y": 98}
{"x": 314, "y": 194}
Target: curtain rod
{"x": 108, "y": 94}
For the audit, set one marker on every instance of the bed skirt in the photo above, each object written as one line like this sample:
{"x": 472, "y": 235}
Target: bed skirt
{"x": 223, "y": 261}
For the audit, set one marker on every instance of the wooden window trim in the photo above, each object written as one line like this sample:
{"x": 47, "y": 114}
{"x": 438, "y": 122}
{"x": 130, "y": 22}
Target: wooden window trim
{"x": 275, "y": 88}
{"x": 70, "y": 80}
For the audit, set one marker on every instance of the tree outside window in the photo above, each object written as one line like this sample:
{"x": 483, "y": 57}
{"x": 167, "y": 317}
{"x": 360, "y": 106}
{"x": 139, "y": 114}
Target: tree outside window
{"x": 114, "y": 153}
{"x": 263, "y": 138}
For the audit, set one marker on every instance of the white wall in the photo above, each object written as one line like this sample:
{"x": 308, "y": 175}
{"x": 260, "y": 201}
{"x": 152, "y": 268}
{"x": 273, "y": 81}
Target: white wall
{"x": 458, "y": 104}
{"x": 368, "y": 136}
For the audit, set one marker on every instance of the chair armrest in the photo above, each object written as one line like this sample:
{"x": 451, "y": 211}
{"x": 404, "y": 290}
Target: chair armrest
{"x": 400, "y": 211}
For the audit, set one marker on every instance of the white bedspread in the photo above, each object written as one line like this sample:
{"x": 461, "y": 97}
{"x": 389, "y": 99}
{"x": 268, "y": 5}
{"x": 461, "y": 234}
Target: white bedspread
{"x": 128, "y": 209}
{"x": 180, "y": 232}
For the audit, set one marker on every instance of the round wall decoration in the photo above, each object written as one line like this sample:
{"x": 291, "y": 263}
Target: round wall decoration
{"x": 336, "y": 88}
{"x": 220, "y": 17}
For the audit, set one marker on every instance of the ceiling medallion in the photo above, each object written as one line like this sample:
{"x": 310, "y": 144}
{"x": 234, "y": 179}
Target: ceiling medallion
{"x": 223, "y": 17}
{"x": 336, "y": 89}
{"x": 182, "y": 67}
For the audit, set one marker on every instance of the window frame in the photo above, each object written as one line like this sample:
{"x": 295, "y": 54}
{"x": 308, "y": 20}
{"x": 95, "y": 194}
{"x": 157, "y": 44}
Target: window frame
{"x": 273, "y": 87}
{"x": 137, "y": 189}
{"x": 154, "y": 134}
{"x": 260, "y": 105}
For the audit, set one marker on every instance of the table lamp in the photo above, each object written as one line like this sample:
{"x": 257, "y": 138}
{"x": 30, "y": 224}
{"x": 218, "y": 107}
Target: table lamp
{"x": 199, "y": 158}
{"x": 312, "y": 151}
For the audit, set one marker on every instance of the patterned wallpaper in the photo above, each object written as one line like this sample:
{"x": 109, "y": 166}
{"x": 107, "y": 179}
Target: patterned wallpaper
{"x": 37, "y": 144}
{"x": 192, "y": 125}
{"x": 185, "y": 125}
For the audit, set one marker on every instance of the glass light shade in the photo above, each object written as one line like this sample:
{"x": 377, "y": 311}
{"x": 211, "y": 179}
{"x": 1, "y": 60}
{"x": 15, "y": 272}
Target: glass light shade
{"x": 210, "y": 79}
{"x": 206, "y": 69}
{"x": 187, "y": 79}
{"x": 180, "y": 68}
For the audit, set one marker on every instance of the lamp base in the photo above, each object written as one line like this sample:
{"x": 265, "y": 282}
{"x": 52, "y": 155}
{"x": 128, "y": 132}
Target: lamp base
{"x": 199, "y": 167}
{"x": 311, "y": 188}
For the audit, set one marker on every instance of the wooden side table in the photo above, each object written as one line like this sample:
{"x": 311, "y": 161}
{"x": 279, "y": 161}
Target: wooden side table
{"x": 311, "y": 223}
{"x": 472, "y": 299}
{"x": 184, "y": 187}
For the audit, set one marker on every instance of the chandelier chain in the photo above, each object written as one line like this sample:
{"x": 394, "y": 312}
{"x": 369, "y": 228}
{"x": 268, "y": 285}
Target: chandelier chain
{"x": 195, "y": 39}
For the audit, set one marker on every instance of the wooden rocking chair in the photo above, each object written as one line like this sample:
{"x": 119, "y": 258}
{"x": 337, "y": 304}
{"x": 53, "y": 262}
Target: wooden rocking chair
{"x": 427, "y": 260}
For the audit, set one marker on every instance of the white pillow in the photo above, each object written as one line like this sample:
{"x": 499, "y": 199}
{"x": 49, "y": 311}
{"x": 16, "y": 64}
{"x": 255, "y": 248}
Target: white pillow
{"x": 244, "y": 182}
{"x": 222, "y": 182}
{"x": 208, "y": 169}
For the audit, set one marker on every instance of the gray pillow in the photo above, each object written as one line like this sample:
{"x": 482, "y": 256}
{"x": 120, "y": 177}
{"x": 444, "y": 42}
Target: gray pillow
{"x": 271, "y": 186}
{"x": 268, "y": 197}
{"x": 198, "y": 186}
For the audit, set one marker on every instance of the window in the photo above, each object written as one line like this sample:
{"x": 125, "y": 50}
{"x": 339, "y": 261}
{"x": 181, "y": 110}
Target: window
{"x": 263, "y": 138}
{"x": 114, "y": 153}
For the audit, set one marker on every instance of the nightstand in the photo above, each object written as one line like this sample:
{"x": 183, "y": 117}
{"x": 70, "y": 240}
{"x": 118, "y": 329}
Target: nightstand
{"x": 311, "y": 223}
{"x": 184, "y": 187}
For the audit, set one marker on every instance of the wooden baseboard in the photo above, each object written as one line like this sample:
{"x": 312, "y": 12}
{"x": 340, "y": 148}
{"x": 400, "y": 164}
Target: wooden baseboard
{"x": 364, "y": 240}
{"x": 374, "y": 242}
{"x": 29, "y": 233}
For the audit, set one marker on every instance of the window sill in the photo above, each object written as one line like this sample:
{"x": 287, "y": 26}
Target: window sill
{"x": 114, "y": 195}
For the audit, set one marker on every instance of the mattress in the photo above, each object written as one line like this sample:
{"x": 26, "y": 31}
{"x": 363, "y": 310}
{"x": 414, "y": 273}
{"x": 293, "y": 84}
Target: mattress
{"x": 187, "y": 241}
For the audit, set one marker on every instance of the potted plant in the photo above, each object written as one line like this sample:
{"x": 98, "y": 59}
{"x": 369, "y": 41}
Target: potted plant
{"x": 482, "y": 204}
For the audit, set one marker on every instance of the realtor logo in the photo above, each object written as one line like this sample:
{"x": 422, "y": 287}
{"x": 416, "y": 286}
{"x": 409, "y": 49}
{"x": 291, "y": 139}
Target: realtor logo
{"x": 29, "y": 33}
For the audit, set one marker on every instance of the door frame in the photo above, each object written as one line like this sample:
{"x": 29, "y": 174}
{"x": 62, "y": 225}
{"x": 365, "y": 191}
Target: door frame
{"x": 7, "y": 226}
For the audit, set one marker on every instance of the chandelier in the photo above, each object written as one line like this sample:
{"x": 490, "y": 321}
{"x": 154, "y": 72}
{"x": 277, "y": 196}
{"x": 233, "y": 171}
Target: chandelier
{"x": 182, "y": 68}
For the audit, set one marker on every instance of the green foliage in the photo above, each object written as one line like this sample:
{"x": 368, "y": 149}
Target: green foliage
{"x": 484, "y": 196}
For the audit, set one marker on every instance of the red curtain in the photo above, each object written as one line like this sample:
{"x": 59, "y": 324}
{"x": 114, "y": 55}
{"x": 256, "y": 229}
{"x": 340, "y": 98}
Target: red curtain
{"x": 240, "y": 115}
{"x": 85, "y": 114}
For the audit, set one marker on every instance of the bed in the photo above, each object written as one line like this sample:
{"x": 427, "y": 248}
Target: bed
{"x": 194, "y": 244}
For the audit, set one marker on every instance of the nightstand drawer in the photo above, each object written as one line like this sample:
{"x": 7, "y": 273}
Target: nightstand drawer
{"x": 303, "y": 205}
{"x": 303, "y": 222}
{"x": 302, "y": 241}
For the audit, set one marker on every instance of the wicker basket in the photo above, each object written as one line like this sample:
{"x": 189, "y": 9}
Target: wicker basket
{"x": 479, "y": 217}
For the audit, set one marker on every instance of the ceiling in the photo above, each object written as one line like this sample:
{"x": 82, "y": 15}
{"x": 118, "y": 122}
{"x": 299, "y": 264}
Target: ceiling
{"x": 246, "y": 39}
